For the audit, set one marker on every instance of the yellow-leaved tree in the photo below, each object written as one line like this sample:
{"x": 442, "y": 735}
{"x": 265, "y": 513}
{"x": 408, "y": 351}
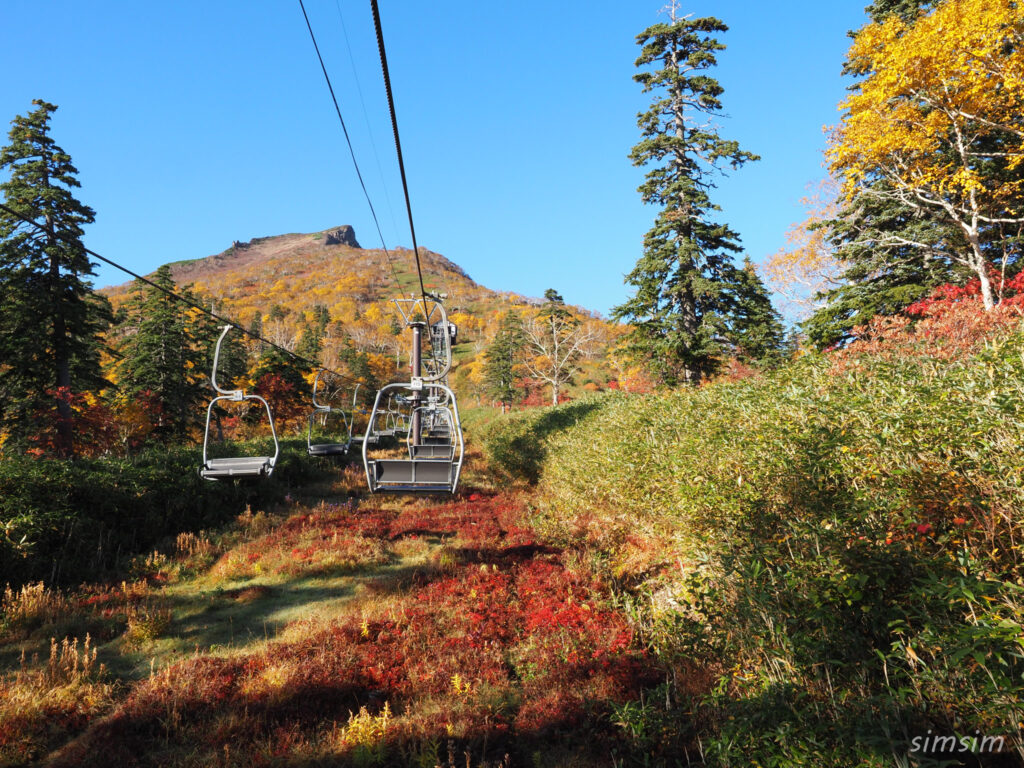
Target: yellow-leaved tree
{"x": 940, "y": 119}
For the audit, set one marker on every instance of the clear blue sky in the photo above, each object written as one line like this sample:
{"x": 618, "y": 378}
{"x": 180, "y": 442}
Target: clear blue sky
{"x": 194, "y": 124}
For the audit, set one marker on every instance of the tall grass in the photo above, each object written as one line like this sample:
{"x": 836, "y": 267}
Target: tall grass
{"x": 840, "y": 544}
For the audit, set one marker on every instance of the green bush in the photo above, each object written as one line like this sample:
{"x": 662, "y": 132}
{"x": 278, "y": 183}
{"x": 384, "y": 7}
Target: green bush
{"x": 841, "y": 543}
{"x": 66, "y": 521}
{"x": 516, "y": 444}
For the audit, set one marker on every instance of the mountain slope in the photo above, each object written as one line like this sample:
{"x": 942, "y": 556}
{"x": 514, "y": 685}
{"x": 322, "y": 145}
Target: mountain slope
{"x": 299, "y": 270}
{"x": 280, "y": 282}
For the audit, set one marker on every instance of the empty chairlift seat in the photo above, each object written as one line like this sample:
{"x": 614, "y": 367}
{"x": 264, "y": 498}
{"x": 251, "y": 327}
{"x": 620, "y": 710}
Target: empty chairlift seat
{"x": 235, "y": 466}
{"x": 323, "y": 416}
{"x": 431, "y": 467}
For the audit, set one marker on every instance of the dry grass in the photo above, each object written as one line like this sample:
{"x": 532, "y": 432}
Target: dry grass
{"x": 43, "y": 704}
{"x": 31, "y": 606}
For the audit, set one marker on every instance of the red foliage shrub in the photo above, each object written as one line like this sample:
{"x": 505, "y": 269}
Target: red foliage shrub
{"x": 288, "y": 404}
{"x": 948, "y": 324}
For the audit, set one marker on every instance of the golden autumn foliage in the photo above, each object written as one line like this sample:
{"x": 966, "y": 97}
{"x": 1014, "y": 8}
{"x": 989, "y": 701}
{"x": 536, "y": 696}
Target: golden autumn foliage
{"x": 283, "y": 279}
{"x": 939, "y": 120}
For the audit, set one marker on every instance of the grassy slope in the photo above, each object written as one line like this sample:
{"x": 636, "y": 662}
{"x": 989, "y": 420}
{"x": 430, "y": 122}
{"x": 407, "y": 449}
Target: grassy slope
{"x": 384, "y": 631}
{"x": 838, "y": 543}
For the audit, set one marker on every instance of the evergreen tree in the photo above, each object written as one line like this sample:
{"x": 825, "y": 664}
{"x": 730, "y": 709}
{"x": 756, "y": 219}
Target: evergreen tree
{"x": 880, "y": 279}
{"x": 683, "y": 279}
{"x": 321, "y": 317}
{"x": 754, "y": 329}
{"x": 52, "y": 321}
{"x": 311, "y": 340}
{"x": 310, "y": 343}
{"x": 891, "y": 255}
{"x": 256, "y": 330}
{"x": 905, "y": 9}
{"x": 163, "y": 355}
{"x": 502, "y": 359}
{"x": 357, "y": 363}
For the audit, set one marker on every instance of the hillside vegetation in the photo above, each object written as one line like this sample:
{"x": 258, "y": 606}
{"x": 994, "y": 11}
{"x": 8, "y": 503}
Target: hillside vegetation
{"x": 283, "y": 285}
{"x": 326, "y": 629}
{"x": 827, "y": 559}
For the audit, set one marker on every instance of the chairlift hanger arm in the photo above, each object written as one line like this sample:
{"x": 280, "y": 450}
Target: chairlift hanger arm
{"x": 444, "y": 364}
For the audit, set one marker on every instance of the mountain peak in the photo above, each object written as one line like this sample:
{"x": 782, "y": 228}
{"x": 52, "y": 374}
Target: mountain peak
{"x": 343, "y": 235}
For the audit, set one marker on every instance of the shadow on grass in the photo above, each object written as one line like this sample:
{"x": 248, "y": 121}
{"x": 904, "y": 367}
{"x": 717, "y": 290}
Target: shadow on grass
{"x": 519, "y": 447}
{"x": 243, "y": 615}
{"x": 504, "y": 556}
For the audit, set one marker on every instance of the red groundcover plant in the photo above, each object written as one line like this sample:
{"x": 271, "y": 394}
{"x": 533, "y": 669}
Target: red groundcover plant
{"x": 500, "y": 648}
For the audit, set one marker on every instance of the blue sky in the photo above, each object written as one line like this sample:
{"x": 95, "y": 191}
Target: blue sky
{"x": 194, "y": 124}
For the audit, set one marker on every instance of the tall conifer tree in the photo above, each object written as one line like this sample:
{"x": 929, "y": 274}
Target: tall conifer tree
{"x": 754, "y": 327}
{"x": 164, "y": 354}
{"x": 51, "y": 321}
{"x": 503, "y": 361}
{"x": 683, "y": 280}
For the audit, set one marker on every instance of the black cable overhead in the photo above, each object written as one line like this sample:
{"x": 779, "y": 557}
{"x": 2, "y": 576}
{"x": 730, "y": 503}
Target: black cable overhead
{"x": 351, "y": 151}
{"x": 366, "y": 114}
{"x": 177, "y": 296}
{"x": 398, "y": 143}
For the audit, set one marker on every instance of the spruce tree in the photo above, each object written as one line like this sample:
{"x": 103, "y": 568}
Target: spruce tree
{"x": 502, "y": 359}
{"x": 310, "y": 343}
{"x": 754, "y": 328}
{"x": 52, "y": 321}
{"x": 164, "y": 353}
{"x": 311, "y": 340}
{"x": 683, "y": 280}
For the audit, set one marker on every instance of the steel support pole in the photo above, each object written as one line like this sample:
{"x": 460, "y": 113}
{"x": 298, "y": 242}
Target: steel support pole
{"x": 417, "y": 372}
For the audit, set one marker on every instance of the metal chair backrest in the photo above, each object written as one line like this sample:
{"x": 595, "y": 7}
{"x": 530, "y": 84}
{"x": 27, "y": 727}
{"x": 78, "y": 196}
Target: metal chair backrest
{"x": 323, "y": 412}
{"x": 240, "y": 466}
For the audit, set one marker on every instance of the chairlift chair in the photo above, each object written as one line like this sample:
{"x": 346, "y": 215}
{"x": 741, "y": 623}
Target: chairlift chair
{"x": 435, "y": 459}
{"x": 436, "y": 443}
{"x": 322, "y": 413}
{"x": 237, "y": 466}
{"x": 430, "y": 468}
{"x": 388, "y": 421}
{"x": 356, "y": 441}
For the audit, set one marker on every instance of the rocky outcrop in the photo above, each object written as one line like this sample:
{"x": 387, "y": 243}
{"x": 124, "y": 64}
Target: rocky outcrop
{"x": 343, "y": 235}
